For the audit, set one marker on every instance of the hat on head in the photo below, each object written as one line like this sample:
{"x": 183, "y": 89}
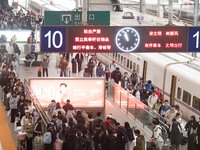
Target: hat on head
{"x": 26, "y": 111}
{"x": 109, "y": 116}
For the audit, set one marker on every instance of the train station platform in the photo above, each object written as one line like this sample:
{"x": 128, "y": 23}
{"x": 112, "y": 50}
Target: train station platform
{"x": 118, "y": 102}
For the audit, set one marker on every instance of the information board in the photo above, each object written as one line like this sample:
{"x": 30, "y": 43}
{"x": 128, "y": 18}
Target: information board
{"x": 119, "y": 39}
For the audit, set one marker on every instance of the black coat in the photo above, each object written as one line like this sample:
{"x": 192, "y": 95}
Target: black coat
{"x": 175, "y": 134}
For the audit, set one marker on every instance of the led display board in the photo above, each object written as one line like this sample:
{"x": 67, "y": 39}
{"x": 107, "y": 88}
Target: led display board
{"x": 83, "y": 92}
{"x": 119, "y": 39}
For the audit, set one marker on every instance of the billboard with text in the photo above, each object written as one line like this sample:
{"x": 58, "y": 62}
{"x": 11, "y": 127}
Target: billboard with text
{"x": 82, "y": 92}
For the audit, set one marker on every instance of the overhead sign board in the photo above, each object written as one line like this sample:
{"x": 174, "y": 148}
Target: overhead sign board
{"x": 119, "y": 39}
{"x": 56, "y": 18}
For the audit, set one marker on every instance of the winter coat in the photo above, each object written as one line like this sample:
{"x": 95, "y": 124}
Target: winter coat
{"x": 140, "y": 143}
{"x": 175, "y": 134}
{"x": 13, "y": 102}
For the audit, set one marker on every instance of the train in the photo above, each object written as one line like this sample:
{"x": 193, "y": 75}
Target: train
{"x": 39, "y": 7}
{"x": 177, "y": 75}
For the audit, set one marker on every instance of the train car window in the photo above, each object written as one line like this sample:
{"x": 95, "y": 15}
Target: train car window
{"x": 113, "y": 55}
{"x": 138, "y": 69}
{"x": 134, "y": 66}
{"x": 186, "y": 97}
{"x": 118, "y": 60}
{"x": 122, "y": 58}
{"x": 127, "y": 65}
{"x": 124, "y": 61}
{"x": 131, "y": 65}
{"x": 196, "y": 103}
{"x": 179, "y": 92}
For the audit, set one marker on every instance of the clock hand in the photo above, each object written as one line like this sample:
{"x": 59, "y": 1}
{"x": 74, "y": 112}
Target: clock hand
{"x": 126, "y": 36}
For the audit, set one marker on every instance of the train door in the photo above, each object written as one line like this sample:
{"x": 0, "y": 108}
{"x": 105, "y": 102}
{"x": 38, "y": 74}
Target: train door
{"x": 173, "y": 90}
{"x": 144, "y": 74}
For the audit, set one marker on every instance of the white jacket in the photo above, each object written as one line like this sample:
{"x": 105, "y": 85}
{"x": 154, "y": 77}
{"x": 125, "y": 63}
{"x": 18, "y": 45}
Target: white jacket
{"x": 157, "y": 134}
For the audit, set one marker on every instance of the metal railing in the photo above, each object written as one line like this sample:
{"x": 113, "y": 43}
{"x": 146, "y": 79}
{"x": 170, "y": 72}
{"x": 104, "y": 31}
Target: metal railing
{"x": 31, "y": 96}
{"x": 140, "y": 112}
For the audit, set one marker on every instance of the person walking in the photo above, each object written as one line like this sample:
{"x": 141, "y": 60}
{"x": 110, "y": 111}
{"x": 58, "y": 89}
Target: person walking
{"x": 45, "y": 64}
{"x": 63, "y": 67}
{"x": 175, "y": 134}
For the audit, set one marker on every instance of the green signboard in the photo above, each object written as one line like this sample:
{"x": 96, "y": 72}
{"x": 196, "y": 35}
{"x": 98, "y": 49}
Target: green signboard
{"x": 55, "y": 18}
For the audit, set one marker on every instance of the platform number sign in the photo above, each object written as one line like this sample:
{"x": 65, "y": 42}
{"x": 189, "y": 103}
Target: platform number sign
{"x": 194, "y": 39}
{"x": 53, "y": 39}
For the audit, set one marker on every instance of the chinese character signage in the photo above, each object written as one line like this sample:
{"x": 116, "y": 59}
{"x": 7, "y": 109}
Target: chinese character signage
{"x": 120, "y": 39}
{"x": 66, "y": 18}
{"x": 126, "y": 39}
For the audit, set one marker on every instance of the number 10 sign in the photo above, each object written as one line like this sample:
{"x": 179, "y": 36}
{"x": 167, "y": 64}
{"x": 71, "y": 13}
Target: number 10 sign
{"x": 53, "y": 39}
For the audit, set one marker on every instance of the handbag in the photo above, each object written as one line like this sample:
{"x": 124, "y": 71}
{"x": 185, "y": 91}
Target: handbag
{"x": 38, "y": 140}
{"x": 9, "y": 113}
{"x": 30, "y": 135}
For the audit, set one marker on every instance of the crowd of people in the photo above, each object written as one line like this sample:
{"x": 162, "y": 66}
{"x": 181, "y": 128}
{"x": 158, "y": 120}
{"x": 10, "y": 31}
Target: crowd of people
{"x": 74, "y": 130}
{"x": 12, "y": 20}
{"x": 171, "y": 115}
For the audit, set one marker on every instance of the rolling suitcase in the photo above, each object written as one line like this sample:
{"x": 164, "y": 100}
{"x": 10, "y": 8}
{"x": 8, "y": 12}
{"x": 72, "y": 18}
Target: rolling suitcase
{"x": 38, "y": 143}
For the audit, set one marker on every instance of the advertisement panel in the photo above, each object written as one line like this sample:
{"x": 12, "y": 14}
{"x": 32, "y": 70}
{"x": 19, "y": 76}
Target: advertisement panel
{"x": 82, "y": 92}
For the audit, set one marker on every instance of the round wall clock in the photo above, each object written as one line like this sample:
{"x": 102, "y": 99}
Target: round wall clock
{"x": 127, "y": 39}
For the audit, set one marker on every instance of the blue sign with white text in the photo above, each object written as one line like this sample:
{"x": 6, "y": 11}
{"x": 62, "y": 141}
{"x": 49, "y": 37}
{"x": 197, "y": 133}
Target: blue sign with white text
{"x": 194, "y": 39}
{"x": 53, "y": 39}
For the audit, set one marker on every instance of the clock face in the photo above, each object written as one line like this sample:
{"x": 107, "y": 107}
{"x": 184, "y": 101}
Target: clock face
{"x": 127, "y": 39}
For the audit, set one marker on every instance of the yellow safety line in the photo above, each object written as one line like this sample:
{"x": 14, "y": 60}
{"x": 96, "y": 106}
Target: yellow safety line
{"x": 6, "y": 138}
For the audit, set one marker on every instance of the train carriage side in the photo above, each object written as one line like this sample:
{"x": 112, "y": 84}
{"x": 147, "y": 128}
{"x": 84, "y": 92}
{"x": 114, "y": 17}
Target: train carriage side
{"x": 182, "y": 88}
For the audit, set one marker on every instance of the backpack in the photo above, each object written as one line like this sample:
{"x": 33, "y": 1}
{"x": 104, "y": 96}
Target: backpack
{"x": 79, "y": 144}
{"x": 98, "y": 121}
{"x": 59, "y": 124}
{"x": 164, "y": 133}
{"x": 47, "y": 138}
{"x": 113, "y": 143}
{"x": 124, "y": 133}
